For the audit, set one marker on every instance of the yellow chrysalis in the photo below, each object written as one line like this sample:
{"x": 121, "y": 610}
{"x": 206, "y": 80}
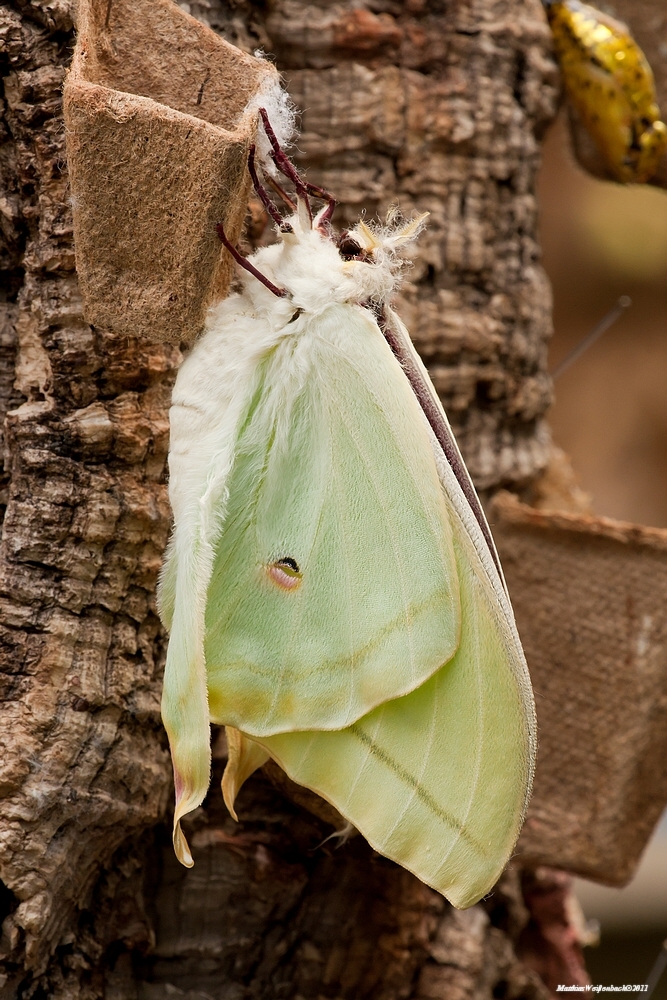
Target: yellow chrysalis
{"x": 610, "y": 85}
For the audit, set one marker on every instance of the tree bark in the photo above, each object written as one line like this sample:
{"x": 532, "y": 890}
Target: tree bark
{"x": 439, "y": 107}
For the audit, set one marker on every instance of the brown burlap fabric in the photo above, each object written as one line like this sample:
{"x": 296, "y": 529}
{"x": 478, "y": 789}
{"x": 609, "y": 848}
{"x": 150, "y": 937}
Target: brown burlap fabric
{"x": 589, "y": 598}
{"x": 157, "y": 143}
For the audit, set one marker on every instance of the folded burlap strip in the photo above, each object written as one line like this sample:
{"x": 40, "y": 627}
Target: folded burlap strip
{"x": 157, "y": 145}
{"x": 589, "y": 599}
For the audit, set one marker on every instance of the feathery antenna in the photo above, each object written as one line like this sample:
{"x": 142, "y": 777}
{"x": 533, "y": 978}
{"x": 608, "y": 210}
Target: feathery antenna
{"x": 240, "y": 259}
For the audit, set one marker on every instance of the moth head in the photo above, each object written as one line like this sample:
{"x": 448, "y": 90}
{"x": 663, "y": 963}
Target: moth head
{"x": 373, "y": 256}
{"x": 312, "y": 266}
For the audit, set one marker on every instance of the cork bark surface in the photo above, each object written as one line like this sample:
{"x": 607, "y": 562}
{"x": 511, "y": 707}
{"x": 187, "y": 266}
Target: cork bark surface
{"x": 439, "y": 106}
{"x": 83, "y": 763}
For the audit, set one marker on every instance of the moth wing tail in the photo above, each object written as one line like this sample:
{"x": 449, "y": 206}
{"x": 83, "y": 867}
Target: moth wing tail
{"x": 245, "y": 756}
{"x": 185, "y": 715}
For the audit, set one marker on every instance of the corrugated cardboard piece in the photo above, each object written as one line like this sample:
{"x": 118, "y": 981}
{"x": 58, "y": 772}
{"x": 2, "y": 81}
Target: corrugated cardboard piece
{"x": 157, "y": 144}
{"x": 590, "y": 598}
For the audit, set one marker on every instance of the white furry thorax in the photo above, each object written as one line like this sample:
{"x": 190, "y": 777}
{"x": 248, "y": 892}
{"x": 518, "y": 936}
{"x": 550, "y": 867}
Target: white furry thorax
{"x": 307, "y": 263}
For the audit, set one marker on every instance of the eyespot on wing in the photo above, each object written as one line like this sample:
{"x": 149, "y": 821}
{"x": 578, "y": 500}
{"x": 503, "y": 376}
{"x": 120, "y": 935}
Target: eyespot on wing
{"x": 285, "y": 573}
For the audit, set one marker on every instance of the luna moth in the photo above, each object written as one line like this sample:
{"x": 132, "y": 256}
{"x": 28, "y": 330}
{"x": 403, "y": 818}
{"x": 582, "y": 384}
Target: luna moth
{"x": 331, "y": 587}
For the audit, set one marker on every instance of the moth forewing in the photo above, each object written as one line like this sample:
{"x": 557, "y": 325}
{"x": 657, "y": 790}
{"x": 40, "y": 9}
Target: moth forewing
{"x": 336, "y": 476}
{"x": 212, "y": 392}
{"x": 449, "y": 460}
{"x": 436, "y": 780}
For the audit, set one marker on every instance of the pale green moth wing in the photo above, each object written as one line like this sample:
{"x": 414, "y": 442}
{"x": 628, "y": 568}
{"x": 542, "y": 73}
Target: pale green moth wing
{"x": 166, "y": 591}
{"x": 244, "y": 756}
{"x": 334, "y": 587}
{"x": 436, "y": 780}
